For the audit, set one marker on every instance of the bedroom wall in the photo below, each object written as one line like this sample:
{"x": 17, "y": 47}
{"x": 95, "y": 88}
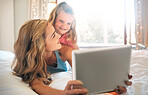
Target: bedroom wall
{"x": 6, "y": 24}
{"x": 21, "y": 14}
{"x": 13, "y": 13}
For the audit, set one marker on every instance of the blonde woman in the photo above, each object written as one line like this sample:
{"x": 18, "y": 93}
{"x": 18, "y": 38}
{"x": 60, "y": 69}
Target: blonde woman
{"x": 36, "y": 41}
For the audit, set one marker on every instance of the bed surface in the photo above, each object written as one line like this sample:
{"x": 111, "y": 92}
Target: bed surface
{"x": 139, "y": 70}
{"x": 12, "y": 85}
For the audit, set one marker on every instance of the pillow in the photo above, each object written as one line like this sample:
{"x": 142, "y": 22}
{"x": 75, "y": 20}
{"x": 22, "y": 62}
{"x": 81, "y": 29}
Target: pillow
{"x": 12, "y": 85}
{"x": 6, "y": 56}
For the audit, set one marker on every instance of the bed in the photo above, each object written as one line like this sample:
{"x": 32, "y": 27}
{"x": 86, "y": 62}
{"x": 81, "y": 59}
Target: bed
{"x": 12, "y": 85}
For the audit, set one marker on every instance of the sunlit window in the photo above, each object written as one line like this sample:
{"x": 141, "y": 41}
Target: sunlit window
{"x": 99, "y": 22}
{"x": 51, "y": 5}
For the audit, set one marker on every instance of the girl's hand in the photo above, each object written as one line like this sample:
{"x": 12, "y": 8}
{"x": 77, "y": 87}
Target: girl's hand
{"x": 75, "y": 87}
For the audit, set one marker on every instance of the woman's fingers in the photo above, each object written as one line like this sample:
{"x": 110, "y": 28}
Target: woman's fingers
{"x": 70, "y": 84}
{"x": 77, "y": 91}
{"x": 75, "y": 87}
{"x": 121, "y": 90}
{"x": 128, "y": 83}
{"x": 130, "y": 76}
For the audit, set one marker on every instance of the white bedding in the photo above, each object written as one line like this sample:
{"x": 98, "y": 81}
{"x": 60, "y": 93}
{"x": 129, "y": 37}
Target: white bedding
{"x": 139, "y": 70}
{"x": 12, "y": 85}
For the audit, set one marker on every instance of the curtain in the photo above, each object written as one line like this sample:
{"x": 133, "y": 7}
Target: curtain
{"x": 38, "y": 9}
{"x": 141, "y": 22}
{"x": 145, "y": 23}
{"x": 137, "y": 22}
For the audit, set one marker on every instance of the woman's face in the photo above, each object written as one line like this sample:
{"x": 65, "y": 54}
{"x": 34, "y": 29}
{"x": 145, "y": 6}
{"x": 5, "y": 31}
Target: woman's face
{"x": 63, "y": 22}
{"x": 51, "y": 39}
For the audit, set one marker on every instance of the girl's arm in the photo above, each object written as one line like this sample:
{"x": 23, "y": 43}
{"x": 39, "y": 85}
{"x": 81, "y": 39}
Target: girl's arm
{"x": 76, "y": 47}
{"x": 66, "y": 53}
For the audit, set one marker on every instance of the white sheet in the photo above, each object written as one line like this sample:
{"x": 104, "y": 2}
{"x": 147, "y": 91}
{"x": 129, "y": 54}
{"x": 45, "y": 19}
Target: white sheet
{"x": 139, "y": 70}
{"x": 12, "y": 85}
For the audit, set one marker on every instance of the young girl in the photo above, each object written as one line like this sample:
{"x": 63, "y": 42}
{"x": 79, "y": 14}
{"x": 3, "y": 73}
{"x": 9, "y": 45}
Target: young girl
{"x": 64, "y": 23}
{"x": 36, "y": 41}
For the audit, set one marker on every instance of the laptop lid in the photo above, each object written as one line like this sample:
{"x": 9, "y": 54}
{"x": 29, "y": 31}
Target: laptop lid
{"x": 102, "y": 69}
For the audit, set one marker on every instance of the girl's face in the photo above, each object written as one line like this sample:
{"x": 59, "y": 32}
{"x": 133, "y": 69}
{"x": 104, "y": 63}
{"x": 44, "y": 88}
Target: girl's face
{"x": 51, "y": 39}
{"x": 63, "y": 22}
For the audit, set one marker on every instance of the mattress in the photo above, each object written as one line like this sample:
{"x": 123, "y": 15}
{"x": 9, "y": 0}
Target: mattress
{"x": 12, "y": 85}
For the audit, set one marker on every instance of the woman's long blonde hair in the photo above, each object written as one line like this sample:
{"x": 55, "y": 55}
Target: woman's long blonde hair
{"x": 29, "y": 48}
{"x": 63, "y": 6}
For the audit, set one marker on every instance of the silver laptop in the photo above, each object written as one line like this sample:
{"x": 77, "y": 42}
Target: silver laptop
{"x": 102, "y": 69}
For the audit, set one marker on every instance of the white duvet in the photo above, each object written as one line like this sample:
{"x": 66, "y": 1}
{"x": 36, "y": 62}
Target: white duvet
{"x": 12, "y": 85}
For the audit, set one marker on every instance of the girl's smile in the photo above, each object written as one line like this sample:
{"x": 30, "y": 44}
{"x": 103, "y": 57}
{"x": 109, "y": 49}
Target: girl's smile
{"x": 63, "y": 22}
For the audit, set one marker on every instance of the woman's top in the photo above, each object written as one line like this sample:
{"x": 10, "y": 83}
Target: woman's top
{"x": 61, "y": 66}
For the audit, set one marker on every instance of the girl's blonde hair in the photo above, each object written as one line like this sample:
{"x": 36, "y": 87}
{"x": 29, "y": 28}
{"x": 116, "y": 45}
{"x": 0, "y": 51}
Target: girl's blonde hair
{"x": 63, "y": 6}
{"x": 29, "y": 48}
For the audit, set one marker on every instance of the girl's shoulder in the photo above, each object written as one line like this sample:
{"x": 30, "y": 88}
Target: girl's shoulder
{"x": 66, "y": 41}
{"x": 65, "y": 49}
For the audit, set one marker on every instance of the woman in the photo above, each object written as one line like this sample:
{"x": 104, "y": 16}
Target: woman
{"x": 36, "y": 41}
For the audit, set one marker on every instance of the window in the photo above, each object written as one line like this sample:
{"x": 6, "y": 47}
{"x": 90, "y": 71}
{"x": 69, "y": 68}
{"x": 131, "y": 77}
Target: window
{"x": 51, "y": 5}
{"x": 99, "y": 22}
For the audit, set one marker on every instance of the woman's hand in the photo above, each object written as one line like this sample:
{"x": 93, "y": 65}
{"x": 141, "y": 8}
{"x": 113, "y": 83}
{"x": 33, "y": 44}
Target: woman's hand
{"x": 75, "y": 87}
{"x": 122, "y": 89}
{"x": 128, "y": 83}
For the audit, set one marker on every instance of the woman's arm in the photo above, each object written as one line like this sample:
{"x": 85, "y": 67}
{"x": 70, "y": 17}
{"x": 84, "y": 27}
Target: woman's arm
{"x": 39, "y": 87}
